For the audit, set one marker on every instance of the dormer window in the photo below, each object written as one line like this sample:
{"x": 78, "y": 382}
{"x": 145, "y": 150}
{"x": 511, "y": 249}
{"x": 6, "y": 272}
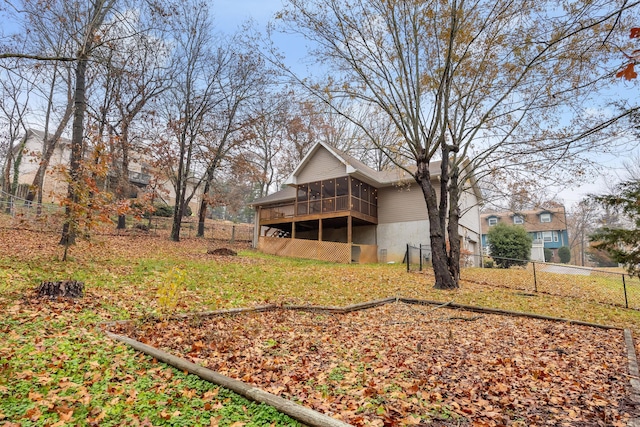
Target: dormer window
{"x": 518, "y": 219}
{"x": 545, "y": 217}
{"x": 492, "y": 221}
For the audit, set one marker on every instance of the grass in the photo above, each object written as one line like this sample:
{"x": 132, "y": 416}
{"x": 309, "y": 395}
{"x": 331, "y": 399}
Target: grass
{"x": 56, "y": 366}
{"x": 600, "y": 286}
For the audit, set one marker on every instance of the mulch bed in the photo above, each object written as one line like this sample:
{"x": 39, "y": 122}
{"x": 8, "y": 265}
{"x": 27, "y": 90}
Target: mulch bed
{"x": 402, "y": 364}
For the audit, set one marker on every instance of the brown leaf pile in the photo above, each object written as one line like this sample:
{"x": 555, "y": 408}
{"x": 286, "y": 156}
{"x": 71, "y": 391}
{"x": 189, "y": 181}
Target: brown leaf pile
{"x": 408, "y": 365}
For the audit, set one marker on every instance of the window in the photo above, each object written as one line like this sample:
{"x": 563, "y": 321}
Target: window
{"x": 518, "y": 219}
{"x": 492, "y": 221}
{"x": 547, "y": 236}
{"x": 545, "y": 217}
{"x": 555, "y": 236}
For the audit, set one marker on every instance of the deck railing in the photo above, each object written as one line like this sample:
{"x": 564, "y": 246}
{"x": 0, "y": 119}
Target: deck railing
{"x": 312, "y": 207}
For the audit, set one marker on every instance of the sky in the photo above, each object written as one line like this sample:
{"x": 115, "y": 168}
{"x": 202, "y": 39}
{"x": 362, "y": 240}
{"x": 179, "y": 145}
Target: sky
{"x": 229, "y": 13}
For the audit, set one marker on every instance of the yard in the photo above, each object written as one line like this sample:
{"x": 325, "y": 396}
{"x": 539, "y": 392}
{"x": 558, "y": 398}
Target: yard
{"x": 394, "y": 364}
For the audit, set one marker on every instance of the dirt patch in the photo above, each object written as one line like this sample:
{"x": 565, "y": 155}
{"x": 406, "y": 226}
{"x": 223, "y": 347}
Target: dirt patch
{"x": 409, "y": 365}
{"x": 222, "y": 252}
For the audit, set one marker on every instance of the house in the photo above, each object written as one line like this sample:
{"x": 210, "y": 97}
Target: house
{"x": 547, "y": 228}
{"x": 336, "y": 208}
{"x": 55, "y": 185}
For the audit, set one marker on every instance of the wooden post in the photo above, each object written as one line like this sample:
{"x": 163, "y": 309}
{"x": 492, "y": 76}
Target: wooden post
{"x": 349, "y": 229}
{"x": 320, "y": 230}
{"x": 293, "y": 229}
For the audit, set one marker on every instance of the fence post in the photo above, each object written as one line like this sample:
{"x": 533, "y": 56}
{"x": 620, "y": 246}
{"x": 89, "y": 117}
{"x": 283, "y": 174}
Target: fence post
{"x": 420, "y": 254}
{"x": 233, "y": 234}
{"x": 535, "y": 279}
{"x": 624, "y": 286}
{"x": 408, "y": 258}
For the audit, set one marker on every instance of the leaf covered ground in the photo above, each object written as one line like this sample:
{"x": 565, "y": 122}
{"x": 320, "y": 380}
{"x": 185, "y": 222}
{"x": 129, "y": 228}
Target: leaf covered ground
{"x": 405, "y": 365}
{"x": 57, "y": 367}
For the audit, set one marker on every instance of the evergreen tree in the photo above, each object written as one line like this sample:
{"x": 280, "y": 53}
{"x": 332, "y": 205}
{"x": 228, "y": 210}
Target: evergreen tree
{"x": 565, "y": 254}
{"x": 622, "y": 243}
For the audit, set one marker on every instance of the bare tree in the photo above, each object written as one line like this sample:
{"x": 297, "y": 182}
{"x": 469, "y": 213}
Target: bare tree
{"x": 582, "y": 221}
{"x": 241, "y": 80}
{"x": 14, "y": 107}
{"x": 53, "y": 80}
{"x": 305, "y": 126}
{"x": 480, "y": 86}
{"x": 133, "y": 72}
{"x": 188, "y": 104}
{"x": 266, "y": 139}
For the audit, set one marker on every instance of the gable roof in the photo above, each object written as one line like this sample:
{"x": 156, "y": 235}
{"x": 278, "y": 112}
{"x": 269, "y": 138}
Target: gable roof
{"x": 358, "y": 169}
{"x": 354, "y": 168}
{"x": 531, "y": 219}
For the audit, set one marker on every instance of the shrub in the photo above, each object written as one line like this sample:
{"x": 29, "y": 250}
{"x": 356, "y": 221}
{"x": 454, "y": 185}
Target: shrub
{"x": 170, "y": 289}
{"x": 548, "y": 255}
{"x": 163, "y": 210}
{"x": 166, "y": 211}
{"x": 487, "y": 263}
{"x": 509, "y": 245}
{"x": 565, "y": 254}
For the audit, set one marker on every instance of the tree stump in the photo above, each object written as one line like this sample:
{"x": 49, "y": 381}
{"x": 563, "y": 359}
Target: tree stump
{"x": 61, "y": 288}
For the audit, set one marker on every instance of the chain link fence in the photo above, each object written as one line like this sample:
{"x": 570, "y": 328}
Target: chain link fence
{"x": 418, "y": 257}
{"x": 16, "y": 212}
{"x": 21, "y": 213}
{"x": 612, "y": 287}
{"x": 218, "y": 230}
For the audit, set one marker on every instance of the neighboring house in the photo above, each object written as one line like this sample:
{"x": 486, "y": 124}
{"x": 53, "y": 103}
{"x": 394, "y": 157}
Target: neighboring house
{"x": 55, "y": 185}
{"x": 336, "y": 208}
{"x": 547, "y": 227}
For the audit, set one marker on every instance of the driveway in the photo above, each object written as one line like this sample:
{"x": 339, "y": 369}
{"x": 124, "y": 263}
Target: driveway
{"x": 561, "y": 269}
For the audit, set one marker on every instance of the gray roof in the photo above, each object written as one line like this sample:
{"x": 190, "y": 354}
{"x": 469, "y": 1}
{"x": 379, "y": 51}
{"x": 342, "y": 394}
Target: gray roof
{"x": 285, "y": 195}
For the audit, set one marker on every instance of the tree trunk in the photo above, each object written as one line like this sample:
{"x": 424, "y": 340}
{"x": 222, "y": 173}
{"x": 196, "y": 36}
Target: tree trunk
{"x": 122, "y": 222}
{"x": 177, "y": 221}
{"x": 452, "y": 226}
{"x": 6, "y": 181}
{"x": 16, "y": 167}
{"x": 123, "y": 169}
{"x": 69, "y": 230}
{"x": 202, "y": 212}
{"x": 439, "y": 256}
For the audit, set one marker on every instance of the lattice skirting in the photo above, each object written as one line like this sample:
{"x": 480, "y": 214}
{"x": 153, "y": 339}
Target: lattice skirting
{"x": 313, "y": 249}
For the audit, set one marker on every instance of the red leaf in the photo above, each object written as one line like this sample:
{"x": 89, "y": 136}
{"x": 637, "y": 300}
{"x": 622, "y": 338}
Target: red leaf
{"x": 628, "y": 73}
{"x": 635, "y": 33}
